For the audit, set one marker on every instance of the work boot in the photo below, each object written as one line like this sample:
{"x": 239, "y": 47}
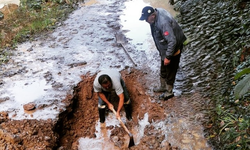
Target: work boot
{"x": 162, "y": 87}
{"x": 102, "y": 114}
{"x": 165, "y": 96}
{"x": 128, "y": 110}
{"x": 168, "y": 94}
{"x": 169, "y": 88}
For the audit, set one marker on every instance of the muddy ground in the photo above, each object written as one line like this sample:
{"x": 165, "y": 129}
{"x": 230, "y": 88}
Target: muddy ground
{"x": 85, "y": 112}
{"x": 174, "y": 124}
{"x": 82, "y": 113}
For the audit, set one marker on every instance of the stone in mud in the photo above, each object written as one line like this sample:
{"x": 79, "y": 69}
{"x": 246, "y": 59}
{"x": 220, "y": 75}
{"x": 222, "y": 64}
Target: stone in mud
{"x": 165, "y": 145}
{"x": 47, "y": 138}
{"x": 115, "y": 139}
{"x": 75, "y": 145}
{"x": 3, "y": 116}
{"x": 29, "y": 106}
{"x": 1, "y": 15}
{"x": 77, "y": 64}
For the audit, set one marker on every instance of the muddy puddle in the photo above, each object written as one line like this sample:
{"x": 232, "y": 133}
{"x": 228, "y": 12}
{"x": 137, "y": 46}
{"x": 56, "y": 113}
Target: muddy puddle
{"x": 56, "y": 72}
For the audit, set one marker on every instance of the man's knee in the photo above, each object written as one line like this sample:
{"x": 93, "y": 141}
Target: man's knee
{"x": 127, "y": 102}
{"x": 128, "y": 109}
{"x": 101, "y": 106}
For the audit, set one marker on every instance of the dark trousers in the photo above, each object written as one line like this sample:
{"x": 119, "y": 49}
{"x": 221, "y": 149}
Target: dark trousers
{"x": 168, "y": 72}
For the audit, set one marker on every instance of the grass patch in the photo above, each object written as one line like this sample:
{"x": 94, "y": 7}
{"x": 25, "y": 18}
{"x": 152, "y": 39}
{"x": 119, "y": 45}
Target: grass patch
{"x": 31, "y": 18}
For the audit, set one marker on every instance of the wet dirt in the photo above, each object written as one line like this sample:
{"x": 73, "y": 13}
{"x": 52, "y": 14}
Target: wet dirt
{"x": 174, "y": 124}
{"x": 82, "y": 114}
{"x": 162, "y": 116}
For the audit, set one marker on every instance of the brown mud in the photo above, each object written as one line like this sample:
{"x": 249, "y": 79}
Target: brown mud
{"x": 82, "y": 113}
{"x": 85, "y": 112}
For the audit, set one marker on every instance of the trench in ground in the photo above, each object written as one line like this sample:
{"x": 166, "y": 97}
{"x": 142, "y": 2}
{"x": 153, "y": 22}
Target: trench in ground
{"x": 178, "y": 123}
{"x": 82, "y": 114}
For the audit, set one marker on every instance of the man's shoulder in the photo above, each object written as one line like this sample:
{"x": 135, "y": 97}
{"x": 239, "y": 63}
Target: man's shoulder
{"x": 161, "y": 9}
{"x": 164, "y": 12}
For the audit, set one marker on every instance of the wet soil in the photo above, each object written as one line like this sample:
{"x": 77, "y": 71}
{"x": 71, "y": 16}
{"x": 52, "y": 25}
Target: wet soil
{"x": 81, "y": 115}
{"x": 174, "y": 124}
{"x": 80, "y": 121}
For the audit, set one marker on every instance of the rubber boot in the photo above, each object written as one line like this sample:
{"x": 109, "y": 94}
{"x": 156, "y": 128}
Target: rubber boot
{"x": 169, "y": 88}
{"x": 162, "y": 87}
{"x": 102, "y": 114}
{"x": 168, "y": 94}
{"x": 128, "y": 110}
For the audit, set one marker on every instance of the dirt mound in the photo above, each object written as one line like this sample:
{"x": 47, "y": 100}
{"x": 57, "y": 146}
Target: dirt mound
{"x": 27, "y": 134}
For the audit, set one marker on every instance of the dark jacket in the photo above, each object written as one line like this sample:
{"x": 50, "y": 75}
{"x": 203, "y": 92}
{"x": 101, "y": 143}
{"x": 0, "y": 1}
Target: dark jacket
{"x": 167, "y": 34}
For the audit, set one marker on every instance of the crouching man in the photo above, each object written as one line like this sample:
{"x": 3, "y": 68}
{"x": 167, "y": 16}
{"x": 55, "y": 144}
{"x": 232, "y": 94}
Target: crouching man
{"x": 105, "y": 82}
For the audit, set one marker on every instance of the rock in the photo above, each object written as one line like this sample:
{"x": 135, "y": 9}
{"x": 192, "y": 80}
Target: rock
{"x": 75, "y": 145}
{"x": 165, "y": 145}
{"x": 29, "y": 106}
{"x": 4, "y": 114}
{"x": 1, "y": 15}
{"x": 47, "y": 138}
{"x": 115, "y": 139}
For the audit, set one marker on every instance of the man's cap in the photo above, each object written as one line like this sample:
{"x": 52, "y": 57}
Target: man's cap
{"x": 146, "y": 12}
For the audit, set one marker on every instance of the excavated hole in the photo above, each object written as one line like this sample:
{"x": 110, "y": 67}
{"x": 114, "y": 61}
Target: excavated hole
{"x": 180, "y": 118}
{"x": 79, "y": 120}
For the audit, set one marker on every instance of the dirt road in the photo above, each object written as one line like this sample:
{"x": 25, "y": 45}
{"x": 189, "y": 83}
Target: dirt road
{"x": 56, "y": 72}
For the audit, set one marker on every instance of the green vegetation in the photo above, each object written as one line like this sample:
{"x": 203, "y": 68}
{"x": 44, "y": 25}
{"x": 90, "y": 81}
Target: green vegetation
{"x": 229, "y": 126}
{"x": 244, "y": 85}
{"x": 31, "y": 18}
{"x": 231, "y": 117}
